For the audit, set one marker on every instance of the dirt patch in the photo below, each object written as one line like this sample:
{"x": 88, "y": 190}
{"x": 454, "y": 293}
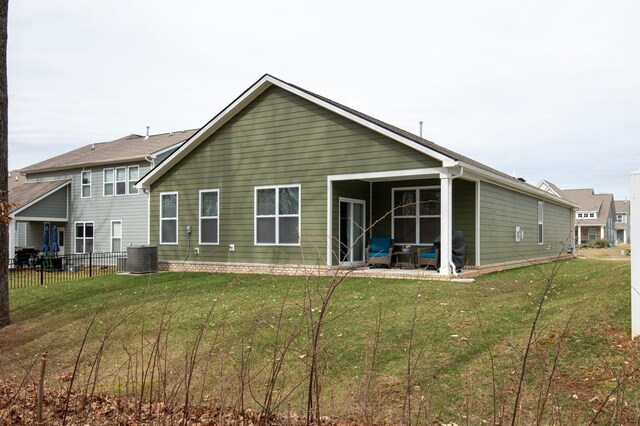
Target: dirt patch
{"x": 618, "y": 252}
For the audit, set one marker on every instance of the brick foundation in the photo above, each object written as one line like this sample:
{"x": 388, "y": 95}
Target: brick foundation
{"x": 322, "y": 270}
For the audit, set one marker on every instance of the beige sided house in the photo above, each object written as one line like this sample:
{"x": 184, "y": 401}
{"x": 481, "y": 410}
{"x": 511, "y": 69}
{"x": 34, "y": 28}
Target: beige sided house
{"x": 88, "y": 194}
{"x": 595, "y": 217}
{"x": 284, "y": 177}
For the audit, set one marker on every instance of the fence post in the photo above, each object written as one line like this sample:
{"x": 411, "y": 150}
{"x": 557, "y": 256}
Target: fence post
{"x": 90, "y": 264}
{"x": 41, "y": 271}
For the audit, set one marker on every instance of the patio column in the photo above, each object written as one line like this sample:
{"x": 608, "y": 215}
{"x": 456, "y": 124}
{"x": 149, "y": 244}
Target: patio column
{"x": 12, "y": 238}
{"x": 579, "y": 234}
{"x": 602, "y": 232}
{"x": 445, "y": 224}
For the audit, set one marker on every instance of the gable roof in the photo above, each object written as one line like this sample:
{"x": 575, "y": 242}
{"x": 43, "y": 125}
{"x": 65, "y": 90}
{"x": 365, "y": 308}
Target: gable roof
{"x": 622, "y": 206}
{"x": 590, "y": 202}
{"x": 551, "y": 188}
{"x": 424, "y": 146}
{"x": 27, "y": 194}
{"x": 129, "y": 148}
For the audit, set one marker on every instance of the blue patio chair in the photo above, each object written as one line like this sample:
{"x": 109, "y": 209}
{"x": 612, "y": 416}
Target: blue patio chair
{"x": 379, "y": 251}
{"x": 428, "y": 257}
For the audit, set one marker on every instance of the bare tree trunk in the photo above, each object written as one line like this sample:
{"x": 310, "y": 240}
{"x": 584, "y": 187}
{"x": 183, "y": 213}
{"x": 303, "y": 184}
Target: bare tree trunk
{"x": 4, "y": 169}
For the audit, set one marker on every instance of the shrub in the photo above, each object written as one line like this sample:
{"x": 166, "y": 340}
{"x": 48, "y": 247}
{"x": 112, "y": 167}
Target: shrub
{"x": 601, "y": 243}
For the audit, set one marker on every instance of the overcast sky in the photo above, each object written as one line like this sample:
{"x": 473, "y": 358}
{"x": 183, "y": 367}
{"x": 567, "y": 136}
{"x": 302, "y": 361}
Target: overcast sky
{"x": 539, "y": 89}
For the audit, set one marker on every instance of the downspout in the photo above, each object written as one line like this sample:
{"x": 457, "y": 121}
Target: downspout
{"x": 446, "y": 221}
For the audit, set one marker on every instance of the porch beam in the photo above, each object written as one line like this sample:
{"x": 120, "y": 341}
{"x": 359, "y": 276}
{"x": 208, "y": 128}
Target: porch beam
{"x": 389, "y": 174}
{"x": 445, "y": 224}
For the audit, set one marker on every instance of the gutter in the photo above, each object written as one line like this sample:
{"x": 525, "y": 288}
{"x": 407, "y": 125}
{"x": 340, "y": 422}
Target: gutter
{"x": 520, "y": 187}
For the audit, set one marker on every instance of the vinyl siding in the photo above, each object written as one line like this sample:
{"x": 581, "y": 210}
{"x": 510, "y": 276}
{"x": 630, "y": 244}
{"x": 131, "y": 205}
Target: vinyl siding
{"x": 278, "y": 139}
{"x": 131, "y": 209}
{"x": 501, "y": 211}
{"x": 53, "y": 206}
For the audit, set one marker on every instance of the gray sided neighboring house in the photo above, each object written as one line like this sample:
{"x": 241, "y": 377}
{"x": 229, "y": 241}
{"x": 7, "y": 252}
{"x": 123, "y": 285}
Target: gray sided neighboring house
{"x": 89, "y": 194}
{"x": 283, "y": 176}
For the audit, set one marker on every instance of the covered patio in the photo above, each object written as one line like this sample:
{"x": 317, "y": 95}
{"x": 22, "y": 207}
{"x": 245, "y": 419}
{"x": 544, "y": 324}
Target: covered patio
{"x": 415, "y": 208}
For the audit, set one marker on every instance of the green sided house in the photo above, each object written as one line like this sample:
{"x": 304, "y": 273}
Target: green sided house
{"x": 283, "y": 177}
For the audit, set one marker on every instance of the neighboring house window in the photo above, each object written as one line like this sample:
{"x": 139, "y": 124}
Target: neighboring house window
{"x": 84, "y": 237}
{"x": 108, "y": 182}
{"x": 121, "y": 180}
{"x": 593, "y": 234}
{"x": 540, "y": 222}
{"x": 416, "y": 215}
{"x": 592, "y": 215}
{"x": 133, "y": 176}
{"x": 21, "y": 234}
{"x": 277, "y": 215}
{"x": 116, "y": 236}
{"x": 169, "y": 218}
{"x": 85, "y": 177}
{"x": 209, "y": 224}
{"x": 621, "y": 218}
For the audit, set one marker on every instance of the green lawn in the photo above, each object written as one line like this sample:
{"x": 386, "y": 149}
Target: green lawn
{"x": 458, "y": 326}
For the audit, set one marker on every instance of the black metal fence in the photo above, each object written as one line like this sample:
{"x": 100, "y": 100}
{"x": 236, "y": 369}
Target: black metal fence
{"x": 43, "y": 269}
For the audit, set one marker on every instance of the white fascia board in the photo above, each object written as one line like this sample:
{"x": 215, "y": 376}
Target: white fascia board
{"x": 221, "y": 118}
{"x": 40, "y": 198}
{"x": 517, "y": 186}
{"x": 447, "y": 161}
{"x": 40, "y": 219}
{"x": 388, "y": 174}
{"x": 249, "y": 95}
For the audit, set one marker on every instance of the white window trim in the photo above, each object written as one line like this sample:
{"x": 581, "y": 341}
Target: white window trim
{"x": 84, "y": 238}
{"x": 586, "y": 215}
{"x": 176, "y": 218}
{"x": 417, "y": 217}
{"x": 276, "y": 215}
{"x": 104, "y": 181}
{"x": 129, "y": 181}
{"x": 540, "y": 221}
{"x": 21, "y": 234}
{"x": 111, "y": 236}
{"x": 116, "y": 181}
{"x": 200, "y": 217}
{"x": 82, "y": 184}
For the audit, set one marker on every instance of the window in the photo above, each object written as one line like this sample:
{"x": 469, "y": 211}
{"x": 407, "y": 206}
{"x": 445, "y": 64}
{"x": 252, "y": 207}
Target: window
{"x": 85, "y": 178}
{"x": 84, "y": 237}
{"x": 121, "y": 180}
{"x": 133, "y": 177}
{"x": 540, "y": 222}
{"x": 169, "y": 218}
{"x": 621, "y": 218}
{"x": 209, "y": 216}
{"x": 416, "y": 215}
{"x": 593, "y": 234}
{"x": 277, "y": 215}
{"x": 21, "y": 234}
{"x": 116, "y": 236}
{"x": 108, "y": 182}
{"x": 592, "y": 215}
